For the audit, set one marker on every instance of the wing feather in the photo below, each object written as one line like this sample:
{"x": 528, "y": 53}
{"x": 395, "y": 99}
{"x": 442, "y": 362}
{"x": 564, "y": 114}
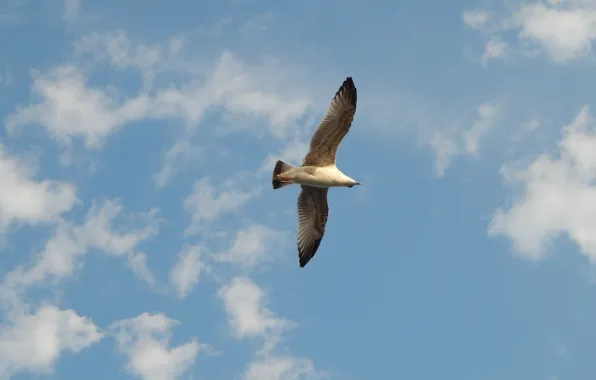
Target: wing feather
{"x": 334, "y": 126}
{"x": 313, "y": 211}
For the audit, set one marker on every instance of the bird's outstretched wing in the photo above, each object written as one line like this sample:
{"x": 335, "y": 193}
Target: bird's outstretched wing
{"x": 312, "y": 217}
{"x": 334, "y": 126}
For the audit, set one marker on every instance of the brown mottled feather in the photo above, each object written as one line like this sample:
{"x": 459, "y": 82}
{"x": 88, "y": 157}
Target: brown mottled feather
{"x": 313, "y": 211}
{"x": 334, "y": 126}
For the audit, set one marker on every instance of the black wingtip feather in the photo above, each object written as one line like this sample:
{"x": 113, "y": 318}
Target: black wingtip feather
{"x": 349, "y": 88}
{"x": 306, "y": 258}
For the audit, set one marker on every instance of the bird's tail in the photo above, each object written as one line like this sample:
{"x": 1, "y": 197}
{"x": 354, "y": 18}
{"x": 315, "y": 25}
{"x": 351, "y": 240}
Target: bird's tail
{"x": 280, "y": 167}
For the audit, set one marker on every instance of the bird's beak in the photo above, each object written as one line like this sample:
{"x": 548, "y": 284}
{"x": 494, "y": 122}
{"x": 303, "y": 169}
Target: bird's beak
{"x": 357, "y": 183}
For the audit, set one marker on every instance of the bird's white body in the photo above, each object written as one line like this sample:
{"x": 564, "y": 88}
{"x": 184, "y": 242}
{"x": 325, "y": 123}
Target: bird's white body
{"x": 321, "y": 177}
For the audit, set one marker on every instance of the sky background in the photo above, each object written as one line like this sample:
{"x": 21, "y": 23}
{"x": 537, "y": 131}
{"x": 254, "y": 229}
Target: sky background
{"x": 140, "y": 237}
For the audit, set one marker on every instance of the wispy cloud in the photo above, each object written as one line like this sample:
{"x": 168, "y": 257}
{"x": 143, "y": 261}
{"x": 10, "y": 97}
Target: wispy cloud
{"x": 71, "y": 9}
{"x": 494, "y": 48}
{"x": 62, "y": 253}
{"x": 207, "y": 202}
{"x": 562, "y": 30}
{"x": 253, "y": 246}
{"x": 475, "y": 19}
{"x": 460, "y": 140}
{"x": 185, "y": 274}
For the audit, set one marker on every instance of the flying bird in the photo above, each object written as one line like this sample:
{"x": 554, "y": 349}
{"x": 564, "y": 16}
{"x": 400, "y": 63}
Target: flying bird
{"x": 319, "y": 172}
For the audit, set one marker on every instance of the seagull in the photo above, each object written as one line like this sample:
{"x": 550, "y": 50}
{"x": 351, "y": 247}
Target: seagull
{"x": 318, "y": 171}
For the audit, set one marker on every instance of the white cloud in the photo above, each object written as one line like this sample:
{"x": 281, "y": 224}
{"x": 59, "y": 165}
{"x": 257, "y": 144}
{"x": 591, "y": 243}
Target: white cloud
{"x": 240, "y": 88}
{"x": 494, "y": 48}
{"x": 558, "y": 197}
{"x": 25, "y": 200}
{"x": 255, "y": 91}
{"x": 67, "y": 101}
{"x": 475, "y": 19}
{"x": 244, "y": 302}
{"x": 565, "y": 33}
{"x": 448, "y": 144}
{"x": 138, "y": 263}
{"x": 283, "y": 368}
{"x": 145, "y": 340}
{"x": 179, "y": 153}
{"x": 253, "y": 246}
{"x": 69, "y": 108}
{"x": 97, "y": 231}
{"x": 485, "y": 119}
{"x": 564, "y": 30}
{"x": 61, "y": 254}
{"x": 249, "y": 317}
{"x": 33, "y": 342}
{"x": 185, "y": 274}
{"x": 445, "y": 149}
{"x": 207, "y": 202}
{"x": 121, "y": 53}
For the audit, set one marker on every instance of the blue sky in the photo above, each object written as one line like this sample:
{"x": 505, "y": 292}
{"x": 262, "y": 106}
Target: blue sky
{"x": 141, "y": 237}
